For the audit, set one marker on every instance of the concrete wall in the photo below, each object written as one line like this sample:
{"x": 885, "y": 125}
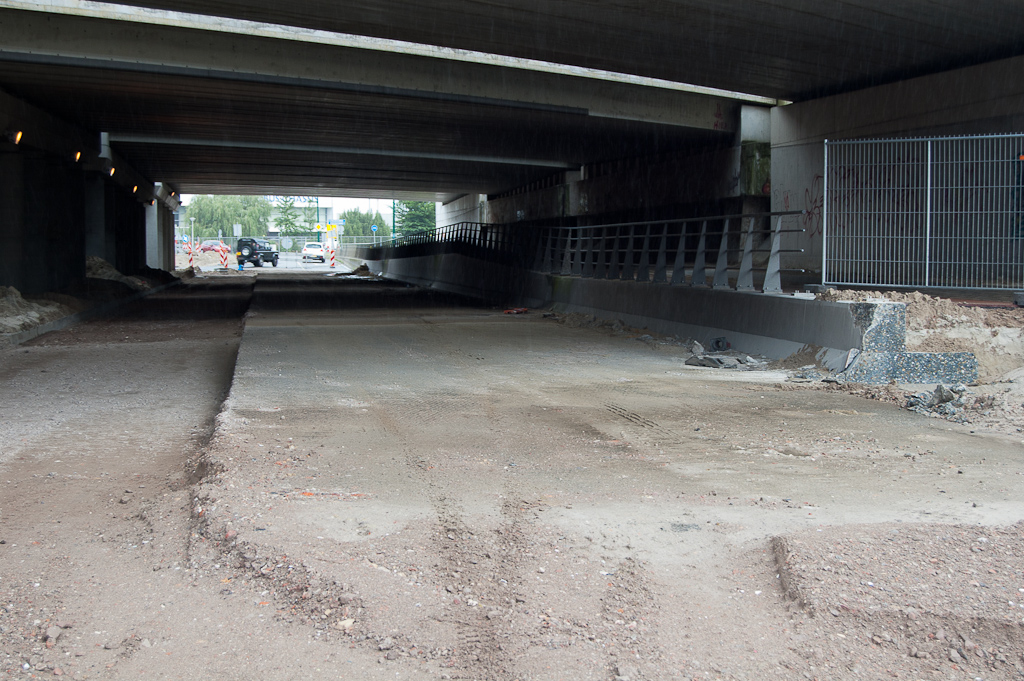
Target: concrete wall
{"x": 468, "y": 208}
{"x": 981, "y": 99}
{"x": 775, "y": 326}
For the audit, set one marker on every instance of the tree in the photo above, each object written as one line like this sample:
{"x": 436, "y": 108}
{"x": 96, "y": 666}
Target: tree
{"x": 311, "y": 213}
{"x": 358, "y": 223}
{"x": 215, "y": 214}
{"x": 415, "y": 216}
{"x": 288, "y": 217}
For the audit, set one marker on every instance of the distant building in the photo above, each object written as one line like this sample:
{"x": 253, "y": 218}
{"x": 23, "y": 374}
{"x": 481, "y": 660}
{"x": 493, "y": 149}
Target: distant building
{"x": 302, "y": 207}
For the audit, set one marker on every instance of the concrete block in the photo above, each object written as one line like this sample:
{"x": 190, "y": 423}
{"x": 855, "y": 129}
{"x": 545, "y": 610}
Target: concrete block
{"x": 950, "y": 368}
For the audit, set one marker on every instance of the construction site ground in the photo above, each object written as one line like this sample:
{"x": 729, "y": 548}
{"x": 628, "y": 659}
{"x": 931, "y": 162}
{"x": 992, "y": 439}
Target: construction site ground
{"x": 286, "y": 476}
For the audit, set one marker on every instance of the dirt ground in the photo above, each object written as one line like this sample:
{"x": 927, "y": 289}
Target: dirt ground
{"x": 350, "y": 479}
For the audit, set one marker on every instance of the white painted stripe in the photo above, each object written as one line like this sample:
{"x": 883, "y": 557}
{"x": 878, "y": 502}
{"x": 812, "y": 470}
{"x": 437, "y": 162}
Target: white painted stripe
{"x": 140, "y": 15}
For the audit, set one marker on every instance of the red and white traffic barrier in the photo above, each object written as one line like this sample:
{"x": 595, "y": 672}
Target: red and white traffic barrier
{"x": 332, "y": 258}
{"x": 223, "y": 257}
{"x": 191, "y": 248}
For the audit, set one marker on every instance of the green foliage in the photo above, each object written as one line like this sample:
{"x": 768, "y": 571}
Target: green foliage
{"x": 287, "y": 221}
{"x": 213, "y": 213}
{"x": 415, "y": 216}
{"x": 358, "y": 223}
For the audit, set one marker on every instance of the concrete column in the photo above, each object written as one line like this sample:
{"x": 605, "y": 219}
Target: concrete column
{"x": 41, "y": 231}
{"x": 12, "y": 221}
{"x": 166, "y": 237}
{"x": 100, "y": 239}
{"x": 127, "y": 218}
{"x": 159, "y": 237}
{"x": 153, "y": 245}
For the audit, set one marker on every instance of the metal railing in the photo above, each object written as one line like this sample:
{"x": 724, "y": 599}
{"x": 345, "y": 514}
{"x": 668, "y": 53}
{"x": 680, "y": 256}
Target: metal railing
{"x": 651, "y": 251}
{"x": 936, "y": 212}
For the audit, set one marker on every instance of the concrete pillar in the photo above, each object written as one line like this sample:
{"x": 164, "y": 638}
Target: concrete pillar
{"x": 100, "y": 239}
{"x": 153, "y": 246}
{"x": 42, "y": 236}
{"x": 166, "y": 237}
{"x": 127, "y": 219}
{"x": 13, "y": 235}
{"x": 159, "y": 236}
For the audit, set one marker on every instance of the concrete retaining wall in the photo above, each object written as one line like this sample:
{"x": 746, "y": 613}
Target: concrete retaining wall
{"x": 866, "y": 340}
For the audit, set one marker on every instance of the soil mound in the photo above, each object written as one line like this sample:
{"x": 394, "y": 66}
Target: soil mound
{"x": 18, "y": 314}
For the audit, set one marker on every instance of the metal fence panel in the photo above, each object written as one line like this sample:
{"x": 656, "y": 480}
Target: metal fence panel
{"x": 941, "y": 212}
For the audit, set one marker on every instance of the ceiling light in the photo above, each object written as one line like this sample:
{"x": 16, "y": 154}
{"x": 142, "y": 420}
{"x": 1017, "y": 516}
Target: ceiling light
{"x": 78, "y": 156}
{"x": 13, "y": 136}
{"x": 135, "y": 188}
{"x": 112, "y": 172}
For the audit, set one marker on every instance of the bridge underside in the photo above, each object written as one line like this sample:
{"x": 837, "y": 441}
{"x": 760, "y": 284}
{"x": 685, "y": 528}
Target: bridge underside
{"x": 576, "y": 113}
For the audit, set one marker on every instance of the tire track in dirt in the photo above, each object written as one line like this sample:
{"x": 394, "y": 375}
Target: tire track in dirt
{"x": 479, "y": 568}
{"x": 649, "y": 429}
{"x": 471, "y": 563}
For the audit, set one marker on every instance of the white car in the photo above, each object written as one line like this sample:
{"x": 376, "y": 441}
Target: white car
{"x": 313, "y": 251}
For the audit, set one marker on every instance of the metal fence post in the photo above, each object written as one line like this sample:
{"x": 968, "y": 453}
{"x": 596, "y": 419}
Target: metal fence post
{"x": 824, "y": 221}
{"x": 644, "y": 272}
{"x": 928, "y": 220}
{"x": 679, "y": 264}
{"x": 588, "y": 253}
{"x": 577, "y": 265}
{"x": 773, "y": 276}
{"x": 598, "y": 249}
{"x": 660, "y": 265}
{"x": 566, "y": 268}
{"x": 745, "y": 278}
{"x": 628, "y": 268}
{"x": 700, "y": 275}
{"x": 721, "y": 279}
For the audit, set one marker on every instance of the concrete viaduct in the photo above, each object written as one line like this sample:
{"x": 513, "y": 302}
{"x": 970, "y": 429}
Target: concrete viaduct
{"x": 570, "y": 113}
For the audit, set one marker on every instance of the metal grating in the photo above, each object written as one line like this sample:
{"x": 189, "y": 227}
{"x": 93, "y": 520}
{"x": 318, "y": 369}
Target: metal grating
{"x": 942, "y": 212}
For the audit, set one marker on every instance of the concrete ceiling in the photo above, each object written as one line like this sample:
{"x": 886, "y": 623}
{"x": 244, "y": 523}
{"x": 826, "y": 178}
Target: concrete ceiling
{"x": 785, "y": 49}
{"x": 208, "y": 109}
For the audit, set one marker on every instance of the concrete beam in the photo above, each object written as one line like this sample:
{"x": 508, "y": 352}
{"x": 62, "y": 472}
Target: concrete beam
{"x": 40, "y": 131}
{"x": 739, "y": 171}
{"x": 44, "y": 132}
{"x": 68, "y": 32}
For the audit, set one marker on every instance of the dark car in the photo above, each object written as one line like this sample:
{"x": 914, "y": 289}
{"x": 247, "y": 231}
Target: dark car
{"x": 256, "y": 251}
